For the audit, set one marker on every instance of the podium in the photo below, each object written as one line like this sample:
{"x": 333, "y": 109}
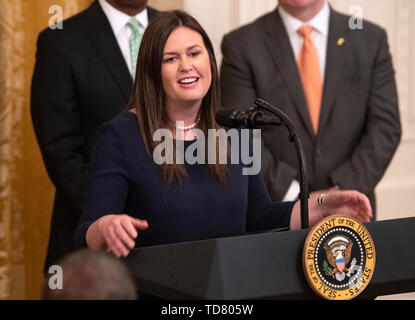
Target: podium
{"x": 264, "y": 266}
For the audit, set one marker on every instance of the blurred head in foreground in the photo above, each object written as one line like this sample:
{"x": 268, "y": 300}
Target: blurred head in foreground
{"x": 90, "y": 275}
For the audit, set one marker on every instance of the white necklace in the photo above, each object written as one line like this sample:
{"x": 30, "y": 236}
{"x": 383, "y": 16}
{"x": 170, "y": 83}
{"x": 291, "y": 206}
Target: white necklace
{"x": 185, "y": 128}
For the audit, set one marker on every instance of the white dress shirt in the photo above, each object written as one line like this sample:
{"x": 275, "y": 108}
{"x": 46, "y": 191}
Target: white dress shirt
{"x": 118, "y": 21}
{"x": 319, "y": 35}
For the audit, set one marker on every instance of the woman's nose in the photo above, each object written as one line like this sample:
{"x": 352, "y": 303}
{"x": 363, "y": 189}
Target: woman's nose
{"x": 185, "y": 64}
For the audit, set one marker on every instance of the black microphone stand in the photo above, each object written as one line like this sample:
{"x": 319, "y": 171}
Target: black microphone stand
{"x": 294, "y": 137}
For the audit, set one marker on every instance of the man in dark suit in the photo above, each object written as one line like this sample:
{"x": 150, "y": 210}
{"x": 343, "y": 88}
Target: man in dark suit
{"x": 82, "y": 77}
{"x": 356, "y": 128}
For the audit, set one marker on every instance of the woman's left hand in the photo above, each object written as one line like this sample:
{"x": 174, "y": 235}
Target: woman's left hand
{"x": 348, "y": 203}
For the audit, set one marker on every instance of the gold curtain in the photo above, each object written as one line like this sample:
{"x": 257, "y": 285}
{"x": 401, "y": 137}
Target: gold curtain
{"x": 26, "y": 193}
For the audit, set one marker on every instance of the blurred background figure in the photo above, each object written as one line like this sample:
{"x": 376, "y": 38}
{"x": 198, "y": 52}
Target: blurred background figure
{"x": 92, "y": 275}
{"x": 335, "y": 83}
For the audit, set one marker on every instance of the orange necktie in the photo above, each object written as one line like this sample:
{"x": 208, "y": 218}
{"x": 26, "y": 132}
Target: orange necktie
{"x": 309, "y": 67}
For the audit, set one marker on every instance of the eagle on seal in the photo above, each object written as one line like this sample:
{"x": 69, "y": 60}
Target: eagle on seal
{"x": 338, "y": 251}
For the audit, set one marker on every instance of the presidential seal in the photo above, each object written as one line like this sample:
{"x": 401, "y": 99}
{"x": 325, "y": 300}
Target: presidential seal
{"x": 339, "y": 258}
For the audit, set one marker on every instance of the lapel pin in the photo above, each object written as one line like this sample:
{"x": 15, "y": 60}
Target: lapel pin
{"x": 340, "y": 41}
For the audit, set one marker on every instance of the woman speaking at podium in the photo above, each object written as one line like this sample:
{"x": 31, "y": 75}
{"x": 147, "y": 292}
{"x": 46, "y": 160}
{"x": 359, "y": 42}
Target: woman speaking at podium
{"x": 132, "y": 201}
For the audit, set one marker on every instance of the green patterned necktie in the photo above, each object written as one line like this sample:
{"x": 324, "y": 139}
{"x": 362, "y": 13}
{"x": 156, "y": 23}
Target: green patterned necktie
{"x": 135, "y": 40}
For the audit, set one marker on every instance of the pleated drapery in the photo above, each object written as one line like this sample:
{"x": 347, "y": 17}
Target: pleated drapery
{"x": 26, "y": 193}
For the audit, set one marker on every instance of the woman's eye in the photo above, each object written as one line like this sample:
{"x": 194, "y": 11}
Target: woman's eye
{"x": 169, "y": 59}
{"x": 195, "y": 53}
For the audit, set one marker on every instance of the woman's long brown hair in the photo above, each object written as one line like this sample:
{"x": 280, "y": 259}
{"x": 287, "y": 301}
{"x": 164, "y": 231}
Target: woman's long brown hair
{"x": 148, "y": 97}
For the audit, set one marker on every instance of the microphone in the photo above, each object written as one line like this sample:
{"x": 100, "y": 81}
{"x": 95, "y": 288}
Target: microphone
{"x": 250, "y": 118}
{"x": 254, "y": 117}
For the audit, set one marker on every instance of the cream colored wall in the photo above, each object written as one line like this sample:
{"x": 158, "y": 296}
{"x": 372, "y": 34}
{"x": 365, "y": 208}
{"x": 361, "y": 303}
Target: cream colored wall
{"x": 166, "y": 4}
{"x": 221, "y": 16}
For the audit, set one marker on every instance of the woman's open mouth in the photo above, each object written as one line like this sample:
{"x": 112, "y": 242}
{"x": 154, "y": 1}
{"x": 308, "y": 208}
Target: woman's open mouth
{"x": 188, "y": 81}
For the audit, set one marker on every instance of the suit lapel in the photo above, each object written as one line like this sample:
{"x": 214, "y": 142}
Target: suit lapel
{"x": 152, "y": 13}
{"x": 102, "y": 37}
{"x": 279, "y": 46}
{"x": 336, "y": 49}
